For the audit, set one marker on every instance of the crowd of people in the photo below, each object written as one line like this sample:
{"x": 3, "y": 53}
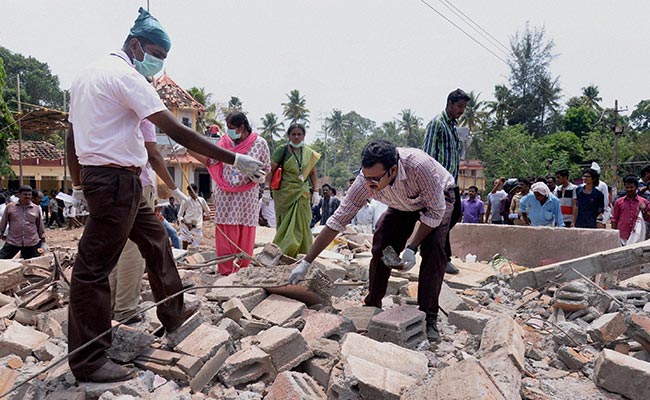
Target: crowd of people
{"x": 557, "y": 202}
{"x": 407, "y": 198}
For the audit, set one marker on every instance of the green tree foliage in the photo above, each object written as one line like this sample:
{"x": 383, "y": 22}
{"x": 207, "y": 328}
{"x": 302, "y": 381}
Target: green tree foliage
{"x": 580, "y": 120}
{"x": 7, "y": 128}
{"x": 475, "y": 116}
{"x": 640, "y": 117}
{"x": 411, "y": 125}
{"x": 209, "y": 116}
{"x": 38, "y": 85}
{"x": 295, "y": 109}
{"x": 534, "y": 92}
{"x": 271, "y": 130}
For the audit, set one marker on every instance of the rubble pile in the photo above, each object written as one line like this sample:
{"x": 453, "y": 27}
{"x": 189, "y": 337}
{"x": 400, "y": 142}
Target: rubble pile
{"x": 257, "y": 338}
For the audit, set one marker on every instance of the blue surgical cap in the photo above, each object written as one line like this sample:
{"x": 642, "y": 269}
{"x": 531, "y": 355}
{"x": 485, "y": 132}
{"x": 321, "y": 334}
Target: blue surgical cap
{"x": 147, "y": 26}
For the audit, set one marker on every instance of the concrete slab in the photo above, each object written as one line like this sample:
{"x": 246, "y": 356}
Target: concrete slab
{"x": 278, "y": 309}
{"x": 623, "y": 374}
{"x": 470, "y": 238}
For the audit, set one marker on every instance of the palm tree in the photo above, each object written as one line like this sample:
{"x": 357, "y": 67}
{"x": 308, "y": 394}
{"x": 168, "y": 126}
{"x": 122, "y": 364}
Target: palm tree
{"x": 502, "y": 106}
{"x": 271, "y": 129}
{"x": 591, "y": 97}
{"x": 234, "y": 104}
{"x": 209, "y": 116}
{"x": 200, "y": 95}
{"x": 410, "y": 123}
{"x": 474, "y": 115}
{"x": 295, "y": 109}
{"x": 335, "y": 124}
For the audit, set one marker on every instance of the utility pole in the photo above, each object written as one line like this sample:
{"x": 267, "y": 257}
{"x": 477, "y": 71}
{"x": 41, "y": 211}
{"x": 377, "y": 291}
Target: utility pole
{"x": 618, "y": 130}
{"x": 20, "y": 134}
{"x": 65, "y": 152}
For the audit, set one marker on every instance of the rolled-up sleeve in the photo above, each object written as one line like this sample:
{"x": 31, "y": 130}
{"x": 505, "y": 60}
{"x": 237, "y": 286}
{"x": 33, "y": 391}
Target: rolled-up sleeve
{"x": 353, "y": 201}
{"x": 432, "y": 188}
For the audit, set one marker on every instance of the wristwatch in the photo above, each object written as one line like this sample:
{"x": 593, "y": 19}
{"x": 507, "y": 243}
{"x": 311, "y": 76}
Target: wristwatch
{"x": 414, "y": 249}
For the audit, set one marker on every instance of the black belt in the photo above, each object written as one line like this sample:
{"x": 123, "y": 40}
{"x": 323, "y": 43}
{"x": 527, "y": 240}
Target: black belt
{"x": 132, "y": 169}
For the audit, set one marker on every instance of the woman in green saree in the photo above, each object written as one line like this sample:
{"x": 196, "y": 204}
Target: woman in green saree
{"x": 292, "y": 199}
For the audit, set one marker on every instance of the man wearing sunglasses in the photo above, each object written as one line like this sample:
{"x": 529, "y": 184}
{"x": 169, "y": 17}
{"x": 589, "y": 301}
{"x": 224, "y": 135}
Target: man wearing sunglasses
{"x": 416, "y": 188}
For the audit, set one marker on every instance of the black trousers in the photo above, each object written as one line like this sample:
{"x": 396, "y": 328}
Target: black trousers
{"x": 8, "y": 251}
{"x": 118, "y": 212}
{"x": 393, "y": 229}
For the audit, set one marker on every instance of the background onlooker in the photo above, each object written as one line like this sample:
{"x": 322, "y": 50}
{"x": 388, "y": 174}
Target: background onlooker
{"x": 26, "y": 230}
{"x": 590, "y": 201}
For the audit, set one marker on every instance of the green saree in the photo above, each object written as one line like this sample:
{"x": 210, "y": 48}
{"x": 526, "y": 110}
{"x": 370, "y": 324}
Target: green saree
{"x": 292, "y": 201}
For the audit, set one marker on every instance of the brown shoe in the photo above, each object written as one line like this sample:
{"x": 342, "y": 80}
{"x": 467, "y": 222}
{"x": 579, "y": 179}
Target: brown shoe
{"x": 109, "y": 372}
{"x": 188, "y": 310}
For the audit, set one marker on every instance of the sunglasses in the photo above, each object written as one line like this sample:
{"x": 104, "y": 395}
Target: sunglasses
{"x": 374, "y": 179}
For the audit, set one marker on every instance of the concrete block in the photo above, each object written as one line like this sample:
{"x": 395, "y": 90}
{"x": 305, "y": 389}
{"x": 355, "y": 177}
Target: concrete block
{"x": 162, "y": 357}
{"x": 361, "y": 316}
{"x": 232, "y": 327}
{"x": 503, "y": 372}
{"x": 470, "y": 238}
{"x": 11, "y": 275}
{"x": 571, "y": 358}
{"x": 356, "y": 378}
{"x": 331, "y": 269}
{"x": 21, "y": 340}
{"x": 191, "y": 365}
{"x": 504, "y": 333}
{"x": 253, "y": 327}
{"x": 471, "y": 321}
{"x": 67, "y": 395}
{"x": 247, "y": 366}
{"x": 326, "y": 325}
{"x": 128, "y": 343}
{"x": 7, "y": 379}
{"x": 48, "y": 351}
{"x": 286, "y": 346}
{"x": 639, "y": 329}
{"x": 204, "y": 342}
{"x": 404, "y": 325}
{"x": 249, "y": 297}
{"x": 396, "y": 284}
{"x": 8, "y": 310}
{"x": 209, "y": 370}
{"x": 166, "y": 371}
{"x": 174, "y": 338}
{"x": 622, "y": 374}
{"x": 569, "y": 333}
{"x": 607, "y": 327}
{"x": 326, "y": 355}
{"x": 235, "y": 310}
{"x": 291, "y": 385}
{"x": 464, "y": 380}
{"x": 449, "y": 300}
{"x": 278, "y": 309}
{"x": 387, "y": 355}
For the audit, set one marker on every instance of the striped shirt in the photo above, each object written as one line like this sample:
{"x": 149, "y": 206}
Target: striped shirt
{"x": 443, "y": 144}
{"x": 420, "y": 185}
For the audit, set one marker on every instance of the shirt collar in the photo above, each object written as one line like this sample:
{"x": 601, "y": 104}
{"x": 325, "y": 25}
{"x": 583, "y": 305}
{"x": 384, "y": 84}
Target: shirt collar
{"x": 121, "y": 54}
{"x": 447, "y": 119}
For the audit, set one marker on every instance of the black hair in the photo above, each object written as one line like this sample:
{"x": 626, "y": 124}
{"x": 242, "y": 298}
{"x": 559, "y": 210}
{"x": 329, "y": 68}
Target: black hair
{"x": 297, "y": 125}
{"x": 326, "y": 184}
{"x": 595, "y": 175}
{"x": 551, "y": 177}
{"x": 563, "y": 172}
{"x": 25, "y": 188}
{"x": 631, "y": 179}
{"x": 525, "y": 181}
{"x": 645, "y": 170}
{"x": 37, "y": 193}
{"x": 457, "y": 95}
{"x": 3, "y": 199}
{"x": 379, "y": 151}
{"x": 194, "y": 188}
{"x": 238, "y": 119}
{"x": 333, "y": 191}
{"x": 473, "y": 187}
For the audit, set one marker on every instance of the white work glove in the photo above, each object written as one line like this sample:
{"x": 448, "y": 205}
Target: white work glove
{"x": 248, "y": 166}
{"x": 299, "y": 272}
{"x": 177, "y": 194}
{"x": 78, "y": 197}
{"x": 408, "y": 259}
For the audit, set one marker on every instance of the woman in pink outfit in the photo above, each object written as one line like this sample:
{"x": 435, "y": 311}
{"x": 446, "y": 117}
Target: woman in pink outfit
{"x": 236, "y": 196}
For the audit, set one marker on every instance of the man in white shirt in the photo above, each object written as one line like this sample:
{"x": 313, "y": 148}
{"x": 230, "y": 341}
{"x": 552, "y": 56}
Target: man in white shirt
{"x": 267, "y": 208}
{"x": 363, "y": 222}
{"x": 191, "y": 215}
{"x": 496, "y": 196}
{"x": 106, "y": 152}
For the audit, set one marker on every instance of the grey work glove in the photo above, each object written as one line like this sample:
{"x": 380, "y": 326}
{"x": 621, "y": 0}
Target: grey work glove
{"x": 299, "y": 272}
{"x": 408, "y": 259}
{"x": 248, "y": 166}
{"x": 78, "y": 197}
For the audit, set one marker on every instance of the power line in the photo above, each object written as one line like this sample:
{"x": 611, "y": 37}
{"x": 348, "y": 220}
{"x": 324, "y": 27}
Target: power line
{"x": 507, "y": 50}
{"x": 465, "y": 32}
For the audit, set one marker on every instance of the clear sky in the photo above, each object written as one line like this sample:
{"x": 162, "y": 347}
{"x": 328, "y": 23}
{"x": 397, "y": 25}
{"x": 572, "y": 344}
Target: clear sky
{"x": 376, "y": 57}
